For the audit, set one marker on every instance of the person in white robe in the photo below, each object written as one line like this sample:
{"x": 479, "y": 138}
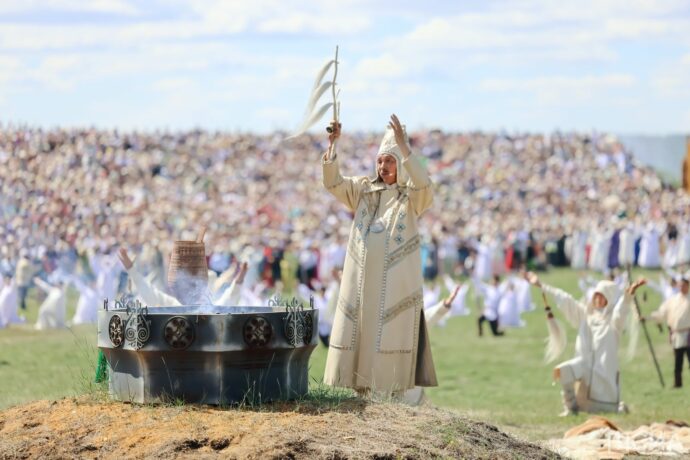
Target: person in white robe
{"x": 578, "y": 250}
{"x": 458, "y": 306}
{"x": 51, "y": 313}
{"x": 88, "y": 303}
{"x": 483, "y": 261}
{"x": 379, "y": 342}
{"x": 626, "y": 249}
{"x": 9, "y": 303}
{"x": 684, "y": 244}
{"x": 590, "y": 381}
{"x": 508, "y": 308}
{"x": 153, "y": 297}
{"x": 107, "y": 272}
{"x": 675, "y": 313}
{"x": 523, "y": 293}
{"x": 650, "y": 256}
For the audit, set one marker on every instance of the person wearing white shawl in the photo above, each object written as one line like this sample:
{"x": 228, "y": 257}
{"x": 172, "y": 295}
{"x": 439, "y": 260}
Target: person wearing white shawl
{"x": 508, "y": 307}
{"x": 87, "y": 305}
{"x": 675, "y": 312}
{"x": 590, "y": 380}
{"x": 379, "y": 342}
{"x": 153, "y": 297}
{"x": 9, "y": 303}
{"x": 626, "y": 248}
{"x": 51, "y": 313}
{"x": 650, "y": 256}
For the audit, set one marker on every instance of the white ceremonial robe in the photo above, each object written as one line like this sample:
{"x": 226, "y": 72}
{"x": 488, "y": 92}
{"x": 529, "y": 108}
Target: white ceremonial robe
{"x": 509, "y": 310}
{"x": 51, "y": 313}
{"x": 626, "y": 248}
{"x": 379, "y": 340}
{"x": 649, "y": 249}
{"x": 595, "y": 365}
{"x": 578, "y": 258}
{"x": 87, "y": 305}
{"x": 675, "y": 313}
{"x": 9, "y": 305}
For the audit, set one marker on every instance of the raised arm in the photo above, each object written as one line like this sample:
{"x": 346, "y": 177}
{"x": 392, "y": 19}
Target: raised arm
{"x": 421, "y": 191}
{"x": 150, "y": 296}
{"x": 347, "y": 190}
{"x": 42, "y": 285}
{"x": 573, "y": 310}
{"x": 622, "y": 308}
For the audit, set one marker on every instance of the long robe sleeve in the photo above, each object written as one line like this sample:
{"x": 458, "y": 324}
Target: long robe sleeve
{"x": 435, "y": 313}
{"x": 43, "y": 286}
{"x": 573, "y": 310}
{"x": 231, "y": 296}
{"x": 421, "y": 192}
{"x": 347, "y": 190}
{"x": 660, "y": 314}
{"x": 621, "y": 311}
{"x": 150, "y": 296}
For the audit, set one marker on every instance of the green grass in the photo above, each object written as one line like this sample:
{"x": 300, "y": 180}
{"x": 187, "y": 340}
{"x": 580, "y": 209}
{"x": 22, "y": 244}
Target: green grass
{"x": 499, "y": 380}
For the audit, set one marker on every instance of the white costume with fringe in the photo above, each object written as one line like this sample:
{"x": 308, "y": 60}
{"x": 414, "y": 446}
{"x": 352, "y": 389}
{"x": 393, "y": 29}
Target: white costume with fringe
{"x": 595, "y": 365}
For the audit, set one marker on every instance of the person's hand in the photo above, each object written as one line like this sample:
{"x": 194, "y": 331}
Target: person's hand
{"x": 124, "y": 258}
{"x": 334, "y": 132}
{"x": 400, "y": 137}
{"x": 633, "y": 287}
{"x": 243, "y": 272}
{"x": 532, "y": 279}
{"x": 448, "y": 301}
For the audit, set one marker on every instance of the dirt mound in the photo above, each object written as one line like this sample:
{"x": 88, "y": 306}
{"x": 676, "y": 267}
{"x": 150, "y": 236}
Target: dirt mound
{"x": 86, "y": 428}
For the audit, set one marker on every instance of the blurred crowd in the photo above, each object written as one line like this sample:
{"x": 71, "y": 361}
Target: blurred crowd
{"x": 70, "y": 198}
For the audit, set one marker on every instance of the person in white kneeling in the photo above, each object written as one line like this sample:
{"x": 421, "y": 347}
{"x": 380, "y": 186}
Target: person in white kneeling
{"x": 594, "y": 368}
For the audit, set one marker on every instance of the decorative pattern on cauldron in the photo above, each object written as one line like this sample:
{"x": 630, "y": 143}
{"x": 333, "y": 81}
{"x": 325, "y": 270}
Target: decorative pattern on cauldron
{"x": 116, "y": 331}
{"x": 257, "y": 331}
{"x": 137, "y": 330}
{"x": 179, "y": 333}
{"x": 299, "y": 324}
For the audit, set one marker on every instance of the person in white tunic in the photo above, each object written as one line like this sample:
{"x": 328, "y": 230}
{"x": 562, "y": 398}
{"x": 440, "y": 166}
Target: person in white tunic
{"x": 379, "y": 342}
{"x": 626, "y": 249}
{"x": 88, "y": 303}
{"x": 153, "y": 297}
{"x": 578, "y": 250}
{"x": 675, "y": 312}
{"x": 650, "y": 257}
{"x": 595, "y": 367}
{"x": 508, "y": 308}
{"x": 9, "y": 303}
{"x": 51, "y": 313}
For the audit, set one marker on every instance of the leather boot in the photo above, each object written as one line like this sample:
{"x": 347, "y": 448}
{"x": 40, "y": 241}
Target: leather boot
{"x": 569, "y": 400}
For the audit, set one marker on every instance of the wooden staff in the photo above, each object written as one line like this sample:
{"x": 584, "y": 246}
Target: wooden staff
{"x": 646, "y": 333}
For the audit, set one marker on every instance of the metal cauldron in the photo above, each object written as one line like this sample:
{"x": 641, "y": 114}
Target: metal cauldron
{"x": 207, "y": 354}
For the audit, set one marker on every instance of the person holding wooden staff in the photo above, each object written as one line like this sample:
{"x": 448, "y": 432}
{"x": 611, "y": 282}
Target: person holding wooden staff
{"x": 590, "y": 381}
{"x": 379, "y": 342}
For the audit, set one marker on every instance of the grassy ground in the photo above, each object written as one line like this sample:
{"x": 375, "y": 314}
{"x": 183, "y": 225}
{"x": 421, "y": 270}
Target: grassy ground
{"x": 500, "y": 380}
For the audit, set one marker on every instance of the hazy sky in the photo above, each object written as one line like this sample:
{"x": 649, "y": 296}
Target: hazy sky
{"x": 615, "y": 65}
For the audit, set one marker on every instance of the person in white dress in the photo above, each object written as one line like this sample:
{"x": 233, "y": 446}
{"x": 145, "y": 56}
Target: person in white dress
{"x": 590, "y": 380}
{"x": 9, "y": 303}
{"x": 650, "y": 257}
{"x": 88, "y": 303}
{"x": 51, "y": 313}
{"x": 508, "y": 307}
{"x": 153, "y": 297}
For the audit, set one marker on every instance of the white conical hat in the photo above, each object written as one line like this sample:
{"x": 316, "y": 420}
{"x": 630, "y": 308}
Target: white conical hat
{"x": 390, "y": 147}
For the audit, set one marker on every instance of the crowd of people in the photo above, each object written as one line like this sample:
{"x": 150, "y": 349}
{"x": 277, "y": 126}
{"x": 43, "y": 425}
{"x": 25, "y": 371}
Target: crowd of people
{"x": 70, "y": 198}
